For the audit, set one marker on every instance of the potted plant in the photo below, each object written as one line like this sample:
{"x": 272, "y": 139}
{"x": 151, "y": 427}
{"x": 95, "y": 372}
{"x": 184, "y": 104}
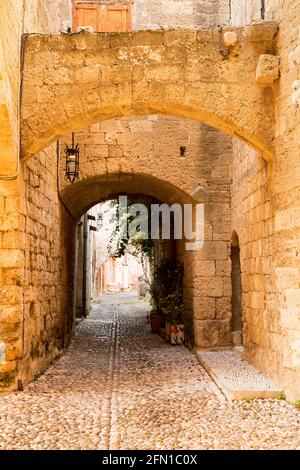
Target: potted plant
{"x": 156, "y": 322}
{"x": 156, "y": 316}
{"x": 173, "y": 314}
{"x": 167, "y": 300}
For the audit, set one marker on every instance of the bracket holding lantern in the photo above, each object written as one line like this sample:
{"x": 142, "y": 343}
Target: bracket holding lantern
{"x": 72, "y": 161}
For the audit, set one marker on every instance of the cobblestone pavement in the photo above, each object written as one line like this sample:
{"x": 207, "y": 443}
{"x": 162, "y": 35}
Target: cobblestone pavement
{"x": 120, "y": 387}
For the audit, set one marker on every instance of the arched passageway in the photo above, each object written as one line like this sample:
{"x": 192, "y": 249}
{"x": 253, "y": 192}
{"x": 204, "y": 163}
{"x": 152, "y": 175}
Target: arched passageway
{"x": 85, "y": 78}
{"x": 180, "y": 73}
{"x": 247, "y": 89}
{"x": 83, "y": 195}
{"x": 142, "y": 157}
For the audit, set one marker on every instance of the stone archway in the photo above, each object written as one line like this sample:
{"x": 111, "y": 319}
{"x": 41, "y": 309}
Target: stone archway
{"x": 81, "y": 196}
{"x": 70, "y": 81}
{"x": 136, "y": 168}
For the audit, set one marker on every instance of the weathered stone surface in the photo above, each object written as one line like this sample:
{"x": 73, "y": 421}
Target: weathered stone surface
{"x": 265, "y": 214}
{"x": 2, "y": 352}
{"x": 265, "y": 198}
{"x": 82, "y": 401}
{"x": 268, "y": 69}
{"x": 262, "y": 31}
{"x": 143, "y": 79}
{"x": 230, "y": 38}
{"x": 237, "y": 379}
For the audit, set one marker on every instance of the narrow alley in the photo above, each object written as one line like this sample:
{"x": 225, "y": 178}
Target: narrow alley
{"x": 120, "y": 387}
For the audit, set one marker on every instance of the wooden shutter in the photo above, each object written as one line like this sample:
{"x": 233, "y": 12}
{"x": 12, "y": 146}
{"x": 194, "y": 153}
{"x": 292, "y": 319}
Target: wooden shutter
{"x": 114, "y": 18}
{"x": 103, "y": 18}
{"x": 85, "y": 14}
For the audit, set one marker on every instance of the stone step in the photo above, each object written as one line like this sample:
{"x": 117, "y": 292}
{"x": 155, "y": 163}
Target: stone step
{"x": 237, "y": 379}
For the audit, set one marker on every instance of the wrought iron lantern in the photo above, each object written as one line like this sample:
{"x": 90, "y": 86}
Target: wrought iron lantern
{"x": 72, "y": 161}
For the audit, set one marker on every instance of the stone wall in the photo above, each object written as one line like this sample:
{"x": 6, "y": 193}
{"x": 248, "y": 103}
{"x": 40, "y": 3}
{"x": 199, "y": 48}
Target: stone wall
{"x": 152, "y": 147}
{"x": 49, "y": 16}
{"x": 11, "y": 277}
{"x": 34, "y": 239}
{"x": 156, "y": 14}
{"x": 11, "y": 24}
{"x": 101, "y": 76}
{"x": 286, "y": 201}
{"x": 265, "y": 213}
{"x": 245, "y": 11}
{"x": 252, "y": 220}
{"x": 11, "y": 239}
{"x": 47, "y": 283}
{"x": 35, "y": 270}
{"x": 207, "y": 286}
{"x": 17, "y": 17}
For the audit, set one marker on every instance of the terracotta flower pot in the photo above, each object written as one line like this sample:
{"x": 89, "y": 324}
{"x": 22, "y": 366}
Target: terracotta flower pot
{"x": 155, "y": 323}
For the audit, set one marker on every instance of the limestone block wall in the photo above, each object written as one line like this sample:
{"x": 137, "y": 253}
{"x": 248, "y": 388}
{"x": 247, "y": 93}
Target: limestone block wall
{"x": 23, "y": 16}
{"x": 253, "y": 220}
{"x": 11, "y": 24}
{"x": 48, "y": 16}
{"x": 266, "y": 200}
{"x": 152, "y": 146}
{"x": 99, "y": 77}
{"x": 47, "y": 282}
{"x": 32, "y": 329}
{"x": 286, "y": 196}
{"x": 11, "y": 220}
{"x": 207, "y": 286}
{"x": 155, "y": 14}
{"x": 245, "y": 11}
{"x": 11, "y": 279}
{"x": 36, "y": 243}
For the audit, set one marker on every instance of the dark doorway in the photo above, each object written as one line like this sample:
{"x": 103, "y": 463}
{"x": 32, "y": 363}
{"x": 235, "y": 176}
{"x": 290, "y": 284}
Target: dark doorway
{"x": 236, "y": 299}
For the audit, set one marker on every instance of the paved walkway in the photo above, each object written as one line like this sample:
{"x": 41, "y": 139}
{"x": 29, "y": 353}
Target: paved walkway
{"x": 120, "y": 387}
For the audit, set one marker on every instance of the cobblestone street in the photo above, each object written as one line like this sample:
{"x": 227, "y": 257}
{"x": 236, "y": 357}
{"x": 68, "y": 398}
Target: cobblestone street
{"x": 120, "y": 387}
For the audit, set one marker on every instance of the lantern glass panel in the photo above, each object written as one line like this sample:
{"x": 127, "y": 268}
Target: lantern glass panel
{"x": 72, "y": 163}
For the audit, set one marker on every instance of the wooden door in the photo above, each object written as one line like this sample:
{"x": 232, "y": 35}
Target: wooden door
{"x": 102, "y": 18}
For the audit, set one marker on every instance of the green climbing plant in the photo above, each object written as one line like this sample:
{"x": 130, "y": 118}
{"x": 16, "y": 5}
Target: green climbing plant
{"x": 141, "y": 244}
